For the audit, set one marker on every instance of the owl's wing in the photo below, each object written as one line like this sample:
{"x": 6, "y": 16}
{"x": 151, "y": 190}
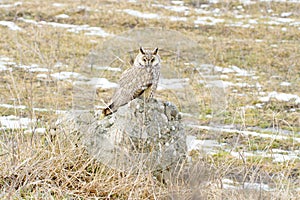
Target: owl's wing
{"x": 129, "y": 76}
{"x": 133, "y": 82}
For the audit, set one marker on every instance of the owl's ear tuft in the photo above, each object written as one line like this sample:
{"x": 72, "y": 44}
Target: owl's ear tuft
{"x": 142, "y": 50}
{"x": 155, "y": 51}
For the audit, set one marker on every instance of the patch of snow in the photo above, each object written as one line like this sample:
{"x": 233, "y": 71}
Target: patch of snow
{"x": 259, "y": 105}
{"x": 207, "y": 20}
{"x": 4, "y": 62}
{"x": 141, "y": 15}
{"x": 41, "y": 76}
{"x": 280, "y": 97}
{"x": 248, "y": 107}
{"x": 58, "y": 4}
{"x": 277, "y": 157}
{"x": 3, "y": 68}
{"x": 229, "y": 130}
{"x": 257, "y": 186}
{"x": 192, "y": 143}
{"x": 295, "y": 24}
{"x": 241, "y": 154}
{"x": 282, "y": 20}
{"x": 11, "y": 5}
{"x": 67, "y": 75}
{"x": 218, "y": 84}
{"x": 30, "y": 21}
{"x": 96, "y": 31}
{"x": 216, "y": 11}
{"x": 223, "y": 76}
{"x": 272, "y": 23}
{"x": 177, "y": 8}
{"x": 225, "y": 84}
{"x": 239, "y": 16}
{"x": 231, "y": 69}
{"x": 98, "y": 83}
{"x": 258, "y": 85}
{"x": 6, "y": 5}
{"x": 207, "y": 146}
{"x": 223, "y": 70}
{"x": 239, "y": 24}
{"x": 230, "y": 184}
{"x": 14, "y": 122}
{"x": 229, "y": 181}
{"x": 10, "y": 25}
{"x": 12, "y": 106}
{"x": 282, "y": 156}
{"x": 240, "y": 72}
{"x": 181, "y": 3}
{"x": 70, "y": 27}
{"x": 22, "y": 107}
{"x": 27, "y": 67}
{"x": 168, "y": 84}
{"x": 213, "y": 1}
{"x": 286, "y": 14}
{"x": 242, "y": 85}
{"x": 240, "y": 7}
{"x": 39, "y": 69}
{"x": 202, "y": 11}
{"x": 285, "y": 84}
{"x": 252, "y": 21}
{"x": 35, "y": 130}
{"x": 107, "y": 68}
{"x": 177, "y": 19}
{"x": 86, "y": 8}
{"x": 59, "y": 65}
{"x": 62, "y": 16}
{"x": 204, "y": 6}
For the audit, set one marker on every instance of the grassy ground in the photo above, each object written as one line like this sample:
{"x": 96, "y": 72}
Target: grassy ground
{"x": 55, "y": 165}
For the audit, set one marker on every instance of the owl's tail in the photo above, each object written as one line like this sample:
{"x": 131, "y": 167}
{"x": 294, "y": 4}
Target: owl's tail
{"x": 108, "y": 110}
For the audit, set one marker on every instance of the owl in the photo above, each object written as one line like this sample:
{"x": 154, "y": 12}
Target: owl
{"x": 140, "y": 79}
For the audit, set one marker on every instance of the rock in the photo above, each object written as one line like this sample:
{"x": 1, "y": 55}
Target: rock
{"x": 140, "y": 135}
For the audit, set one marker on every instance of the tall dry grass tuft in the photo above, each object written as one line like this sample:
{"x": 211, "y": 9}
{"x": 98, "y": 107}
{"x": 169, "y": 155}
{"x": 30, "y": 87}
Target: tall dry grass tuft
{"x": 56, "y": 165}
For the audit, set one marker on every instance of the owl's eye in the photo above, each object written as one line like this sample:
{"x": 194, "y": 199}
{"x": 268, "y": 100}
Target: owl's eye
{"x": 144, "y": 59}
{"x": 152, "y": 59}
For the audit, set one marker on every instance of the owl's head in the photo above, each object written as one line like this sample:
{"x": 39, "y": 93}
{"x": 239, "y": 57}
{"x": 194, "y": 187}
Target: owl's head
{"x": 147, "y": 58}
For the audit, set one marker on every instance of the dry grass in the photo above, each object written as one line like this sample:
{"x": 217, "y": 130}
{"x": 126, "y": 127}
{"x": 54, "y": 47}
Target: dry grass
{"x": 55, "y": 164}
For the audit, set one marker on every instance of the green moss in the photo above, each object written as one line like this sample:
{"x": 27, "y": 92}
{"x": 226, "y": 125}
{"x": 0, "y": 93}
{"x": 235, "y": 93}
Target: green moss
{"x": 221, "y": 155}
{"x": 259, "y": 159}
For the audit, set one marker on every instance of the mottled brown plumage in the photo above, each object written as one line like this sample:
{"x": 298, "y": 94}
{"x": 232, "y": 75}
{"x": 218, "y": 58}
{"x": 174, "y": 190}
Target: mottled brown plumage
{"x": 141, "y": 78}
